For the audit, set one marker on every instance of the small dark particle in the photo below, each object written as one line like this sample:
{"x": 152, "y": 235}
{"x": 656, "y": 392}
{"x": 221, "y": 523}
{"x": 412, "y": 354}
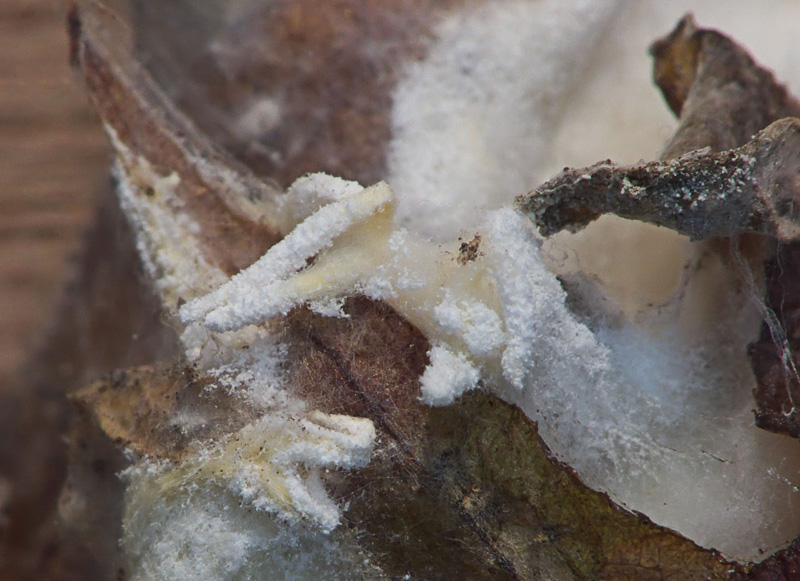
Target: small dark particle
{"x": 468, "y": 251}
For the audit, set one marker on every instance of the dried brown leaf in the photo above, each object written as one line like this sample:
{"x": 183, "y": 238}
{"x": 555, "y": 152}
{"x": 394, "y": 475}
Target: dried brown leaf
{"x": 237, "y": 211}
{"x": 322, "y": 78}
{"x": 139, "y": 410}
{"x": 721, "y": 95}
{"x": 468, "y": 490}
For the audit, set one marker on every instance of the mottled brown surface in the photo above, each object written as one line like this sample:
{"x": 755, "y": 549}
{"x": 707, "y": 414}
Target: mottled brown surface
{"x": 366, "y": 365}
{"x": 782, "y": 566}
{"x": 329, "y": 72}
{"x": 136, "y": 408}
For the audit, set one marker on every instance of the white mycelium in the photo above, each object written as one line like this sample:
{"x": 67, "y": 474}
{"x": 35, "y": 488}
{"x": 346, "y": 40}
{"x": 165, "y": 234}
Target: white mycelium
{"x": 639, "y": 402}
{"x": 660, "y": 423}
{"x": 649, "y": 404}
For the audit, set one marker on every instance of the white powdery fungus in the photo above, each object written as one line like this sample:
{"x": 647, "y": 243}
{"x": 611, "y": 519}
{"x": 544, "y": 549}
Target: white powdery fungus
{"x": 474, "y": 323}
{"x": 659, "y": 423}
{"x": 273, "y": 464}
{"x": 448, "y": 376}
{"x": 451, "y": 303}
{"x": 472, "y": 122}
{"x": 650, "y": 403}
{"x": 200, "y": 532}
{"x": 538, "y": 325}
{"x": 264, "y": 292}
{"x": 166, "y": 237}
{"x": 649, "y": 406}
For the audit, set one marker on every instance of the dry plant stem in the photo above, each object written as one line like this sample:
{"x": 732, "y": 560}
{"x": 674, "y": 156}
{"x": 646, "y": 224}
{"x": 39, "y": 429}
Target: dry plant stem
{"x": 750, "y": 189}
{"x": 723, "y": 98}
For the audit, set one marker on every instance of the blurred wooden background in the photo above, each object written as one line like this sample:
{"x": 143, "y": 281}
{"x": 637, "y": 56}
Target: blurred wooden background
{"x": 53, "y": 165}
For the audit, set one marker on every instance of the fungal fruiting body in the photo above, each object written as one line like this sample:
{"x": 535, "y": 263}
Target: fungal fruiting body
{"x": 642, "y": 387}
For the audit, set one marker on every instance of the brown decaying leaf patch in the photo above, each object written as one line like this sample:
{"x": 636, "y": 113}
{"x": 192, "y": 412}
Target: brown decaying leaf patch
{"x": 366, "y": 365}
{"x": 153, "y": 130}
{"x": 328, "y": 74}
{"x": 470, "y": 490}
{"x": 140, "y": 410}
{"x": 720, "y": 94}
{"x": 782, "y": 566}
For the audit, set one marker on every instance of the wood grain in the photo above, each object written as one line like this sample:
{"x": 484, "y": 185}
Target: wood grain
{"x": 53, "y": 165}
